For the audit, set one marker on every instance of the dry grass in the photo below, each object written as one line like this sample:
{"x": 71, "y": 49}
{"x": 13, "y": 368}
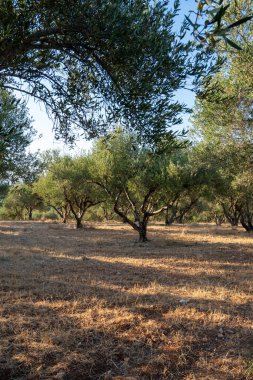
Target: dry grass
{"x": 95, "y": 304}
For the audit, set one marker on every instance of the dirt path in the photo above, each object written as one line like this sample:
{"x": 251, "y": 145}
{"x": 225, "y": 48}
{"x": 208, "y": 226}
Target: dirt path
{"x": 95, "y": 304}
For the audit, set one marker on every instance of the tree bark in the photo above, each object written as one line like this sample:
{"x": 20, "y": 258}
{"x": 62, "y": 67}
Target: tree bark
{"x": 169, "y": 219}
{"x": 181, "y": 218}
{"x": 232, "y": 214}
{"x": 30, "y": 214}
{"x": 65, "y": 214}
{"x": 143, "y": 235}
{"x": 62, "y": 211}
{"x": 79, "y": 223}
{"x": 219, "y": 219}
{"x": 143, "y": 231}
{"x": 246, "y": 221}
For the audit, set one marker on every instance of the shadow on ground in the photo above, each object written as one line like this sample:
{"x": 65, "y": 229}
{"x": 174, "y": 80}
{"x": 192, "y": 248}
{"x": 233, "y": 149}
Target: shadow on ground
{"x": 94, "y": 304}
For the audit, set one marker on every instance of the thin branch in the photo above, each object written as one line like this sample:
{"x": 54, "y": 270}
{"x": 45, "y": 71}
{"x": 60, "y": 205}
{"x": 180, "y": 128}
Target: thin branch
{"x": 129, "y": 199}
{"x": 146, "y": 199}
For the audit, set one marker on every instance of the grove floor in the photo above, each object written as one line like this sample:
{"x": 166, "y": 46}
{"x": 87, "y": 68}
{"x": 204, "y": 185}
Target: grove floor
{"x": 96, "y": 304}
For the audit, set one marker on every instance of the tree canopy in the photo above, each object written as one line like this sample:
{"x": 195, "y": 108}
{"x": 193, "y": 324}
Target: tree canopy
{"x": 67, "y": 187}
{"x": 223, "y": 122}
{"x": 93, "y": 63}
{"x": 132, "y": 176}
{"x": 16, "y": 133}
{"x": 22, "y": 199}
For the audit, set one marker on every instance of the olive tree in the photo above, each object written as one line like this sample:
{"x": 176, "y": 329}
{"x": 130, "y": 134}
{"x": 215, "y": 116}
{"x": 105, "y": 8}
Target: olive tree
{"x": 71, "y": 189}
{"x": 132, "y": 176}
{"x": 16, "y": 133}
{"x": 22, "y": 198}
{"x": 51, "y": 192}
{"x": 124, "y": 68}
{"x": 223, "y": 126}
{"x": 183, "y": 186}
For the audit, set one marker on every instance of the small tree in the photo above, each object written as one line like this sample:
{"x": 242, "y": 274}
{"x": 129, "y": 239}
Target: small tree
{"x": 183, "y": 186}
{"x": 132, "y": 176}
{"x": 71, "y": 188}
{"x": 50, "y": 190}
{"x": 22, "y": 198}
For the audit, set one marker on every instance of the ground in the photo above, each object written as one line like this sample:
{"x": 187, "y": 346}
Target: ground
{"x": 96, "y": 304}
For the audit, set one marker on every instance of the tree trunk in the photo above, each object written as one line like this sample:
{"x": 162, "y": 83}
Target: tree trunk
{"x": 143, "y": 234}
{"x": 219, "y": 219}
{"x": 246, "y": 221}
{"x": 106, "y": 215}
{"x": 140, "y": 225}
{"x": 232, "y": 215}
{"x": 143, "y": 230}
{"x": 181, "y": 218}
{"x": 65, "y": 215}
{"x": 79, "y": 223}
{"x": 30, "y": 214}
{"x": 169, "y": 219}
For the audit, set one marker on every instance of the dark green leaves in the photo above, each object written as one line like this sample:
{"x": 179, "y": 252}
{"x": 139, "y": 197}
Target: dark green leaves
{"x": 215, "y": 23}
{"x": 97, "y": 63}
{"x": 233, "y": 44}
{"x": 239, "y": 22}
{"x": 218, "y": 16}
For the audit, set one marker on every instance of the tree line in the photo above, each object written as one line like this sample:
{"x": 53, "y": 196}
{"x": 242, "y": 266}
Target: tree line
{"x": 121, "y": 179}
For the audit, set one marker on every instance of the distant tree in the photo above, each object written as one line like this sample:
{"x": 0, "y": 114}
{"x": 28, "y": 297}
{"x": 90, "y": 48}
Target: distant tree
{"x": 12, "y": 208}
{"x": 4, "y": 188}
{"x": 222, "y": 192}
{"x": 51, "y": 191}
{"x": 21, "y": 198}
{"x": 217, "y": 213}
{"x": 70, "y": 188}
{"x": 183, "y": 186}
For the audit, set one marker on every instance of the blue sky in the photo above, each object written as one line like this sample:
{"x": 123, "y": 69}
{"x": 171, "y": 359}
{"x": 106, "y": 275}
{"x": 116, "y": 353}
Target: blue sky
{"x": 45, "y": 138}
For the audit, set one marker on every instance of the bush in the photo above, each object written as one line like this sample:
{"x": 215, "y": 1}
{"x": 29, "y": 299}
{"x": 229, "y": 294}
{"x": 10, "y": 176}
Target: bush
{"x": 49, "y": 214}
{"x": 5, "y": 214}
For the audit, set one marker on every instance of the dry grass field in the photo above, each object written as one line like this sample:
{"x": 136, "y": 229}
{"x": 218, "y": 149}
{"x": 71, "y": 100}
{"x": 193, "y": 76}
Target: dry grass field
{"x": 96, "y": 304}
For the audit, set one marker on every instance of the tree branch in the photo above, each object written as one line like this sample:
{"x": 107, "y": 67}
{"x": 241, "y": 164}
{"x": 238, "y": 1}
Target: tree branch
{"x": 156, "y": 212}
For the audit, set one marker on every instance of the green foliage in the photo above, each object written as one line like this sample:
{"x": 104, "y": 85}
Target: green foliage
{"x": 120, "y": 163}
{"x": 50, "y": 214}
{"x": 223, "y": 132}
{"x": 186, "y": 181}
{"x": 216, "y": 21}
{"x": 67, "y": 187}
{"x": 21, "y": 201}
{"x": 123, "y": 68}
{"x": 51, "y": 191}
{"x": 16, "y": 134}
{"x": 131, "y": 176}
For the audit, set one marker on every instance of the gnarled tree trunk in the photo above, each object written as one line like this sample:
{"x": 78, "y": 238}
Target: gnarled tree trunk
{"x": 79, "y": 223}
{"x": 169, "y": 219}
{"x": 246, "y": 220}
{"x": 143, "y": 231}
{"x": 232, "y": 213}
